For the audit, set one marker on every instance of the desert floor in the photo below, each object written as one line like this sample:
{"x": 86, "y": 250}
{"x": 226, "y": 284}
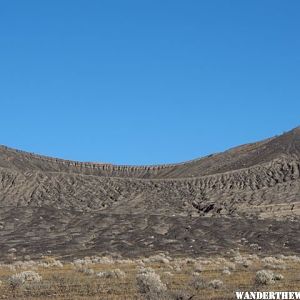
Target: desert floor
{"x": 156, "y": 277}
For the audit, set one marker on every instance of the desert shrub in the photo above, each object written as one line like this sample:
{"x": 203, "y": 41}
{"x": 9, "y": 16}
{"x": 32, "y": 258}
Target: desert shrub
{"x": 19, "y": 279}
{"x": 159, "y": 258}
{"x": 178, "y": 295}
{"x": 106, "y": 260}
{"x": 255, "y": 246}
{"x": 253, "y": 257}
{"x": 11, "y": 267}
{"x": 292, "y": 258}
{"x": 274, "y": 263}
{"x": 215, "y": 284}
{"x": 234, "y": 252}
{"x": 271, "y": 260}
{"x": 117, "y": 273}
{"x": 150, "y": 285}
{"x": 230, "y": 265}
{"x": 203, "y": 261}
{"x": 50, "y": 262}
{"x": 82, "y": 262}
{"x": 278, "y": 277}
{"x": 12, "y": 250}
{"x": 85, "y": 270}
{"x": 140, "y": 263}
{"x": 25, "y": 265}
{"x": 15, "y": 282}
{"x": 275, "y": 267}
{"x": 240, "y": 260}
{"x": 189, "y": 261}
{"x": 264, "y": 277}
{"x": 125, "y": 261}
{"x": 198, "y": 267}
{"x": 179, "y": 264}
{"x": 246, "y": 263}
{"x": 10, "y": 257}
{"x": 146, "y": 270}
{"x": 177, "y": 267}
{"x": 226, "y": 272}
{"x": 197, "y": 282}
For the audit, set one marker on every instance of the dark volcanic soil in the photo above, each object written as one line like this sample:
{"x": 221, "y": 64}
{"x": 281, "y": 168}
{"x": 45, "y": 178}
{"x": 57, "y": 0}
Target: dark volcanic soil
{"x": 203, "y": 206}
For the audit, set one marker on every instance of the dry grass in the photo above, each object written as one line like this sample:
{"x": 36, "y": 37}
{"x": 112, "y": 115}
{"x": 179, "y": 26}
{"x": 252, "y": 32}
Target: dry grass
{"x": 67, "y": 282}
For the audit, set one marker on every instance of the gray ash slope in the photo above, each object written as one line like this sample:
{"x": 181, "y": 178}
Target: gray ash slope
{"x": 198, "y": 207}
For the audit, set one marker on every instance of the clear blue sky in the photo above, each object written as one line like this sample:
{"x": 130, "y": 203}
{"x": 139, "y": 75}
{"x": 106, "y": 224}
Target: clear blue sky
{"x": 143, "y": 82}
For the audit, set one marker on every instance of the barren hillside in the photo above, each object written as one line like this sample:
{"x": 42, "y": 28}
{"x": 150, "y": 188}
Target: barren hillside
{"x": 201, "y": 206}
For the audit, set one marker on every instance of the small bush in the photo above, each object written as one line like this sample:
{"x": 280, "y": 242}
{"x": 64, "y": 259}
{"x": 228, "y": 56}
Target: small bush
{"x": 85, "y": 270}
{"x": 117, "y": 273}
{"x": 198, "y": 267}
{"x": 273, "y": 263}
{"x": 50, "y": 262}
{"x": 226, "y": 272}
{"x": 178, "y": 295}
{"x": 19, "y": 279}
{"x": 230, "y": 265}
{"x": 159, "y": 258}
{"x": 264, "y": 277}
{"x": 169, "y": 274}
{"x": 198, "y": 283}
{"x": 215, "y": 284}
{"x": 150, "y": 284}
{"x": 278, "y": 277}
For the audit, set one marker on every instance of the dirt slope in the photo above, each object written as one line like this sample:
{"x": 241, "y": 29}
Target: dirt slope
{"x": 229, "y": 189}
